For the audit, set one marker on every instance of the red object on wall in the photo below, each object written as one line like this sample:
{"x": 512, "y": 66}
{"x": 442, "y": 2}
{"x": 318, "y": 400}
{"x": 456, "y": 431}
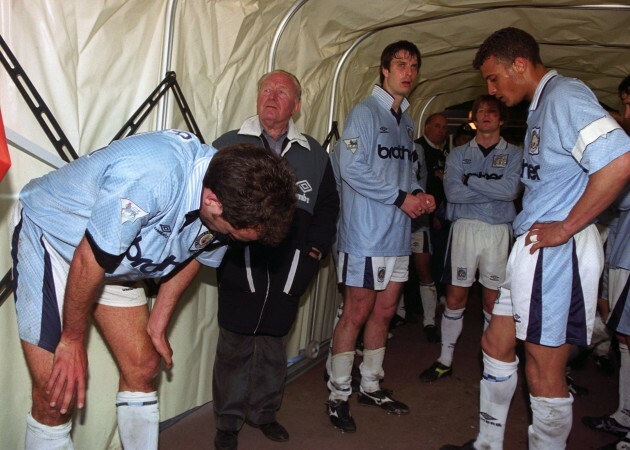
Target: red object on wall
{"x": 5, "y": 158}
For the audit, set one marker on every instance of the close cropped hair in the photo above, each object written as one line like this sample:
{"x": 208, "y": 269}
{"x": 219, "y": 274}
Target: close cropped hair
{"x": 506, "y": 45}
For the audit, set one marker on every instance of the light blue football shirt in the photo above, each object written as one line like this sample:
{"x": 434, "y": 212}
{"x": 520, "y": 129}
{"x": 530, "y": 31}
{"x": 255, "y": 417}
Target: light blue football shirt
{"x": 569, "y": 137}
{"x": 132, "y": 197}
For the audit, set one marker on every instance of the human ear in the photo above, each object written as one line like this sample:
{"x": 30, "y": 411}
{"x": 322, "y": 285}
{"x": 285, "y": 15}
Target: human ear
{"x": 211, "y": 201}
{"x": 520, "y": 64}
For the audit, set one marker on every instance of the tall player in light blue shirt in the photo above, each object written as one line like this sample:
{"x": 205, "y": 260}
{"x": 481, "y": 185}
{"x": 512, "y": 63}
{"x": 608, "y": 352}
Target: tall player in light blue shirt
{"x": 152, "y": 205}
{"x": 576, "y": 161}
{"x": 379, "y": 194}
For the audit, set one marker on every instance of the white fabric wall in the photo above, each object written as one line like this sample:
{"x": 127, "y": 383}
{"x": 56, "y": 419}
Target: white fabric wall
{"x": 95, "y": 61}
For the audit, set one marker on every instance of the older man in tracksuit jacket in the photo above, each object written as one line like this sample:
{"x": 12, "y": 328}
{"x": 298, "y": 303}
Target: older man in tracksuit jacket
{"x": 260, "y": 287}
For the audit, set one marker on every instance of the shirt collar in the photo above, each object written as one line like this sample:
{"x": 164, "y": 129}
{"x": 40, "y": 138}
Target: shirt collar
{"x": 431, "y": 143}
{"x": 541, "y": 86}
{"x": 501, "y": 145}
{"x": 252, "y": 127}
{"x": 386, "y": 99}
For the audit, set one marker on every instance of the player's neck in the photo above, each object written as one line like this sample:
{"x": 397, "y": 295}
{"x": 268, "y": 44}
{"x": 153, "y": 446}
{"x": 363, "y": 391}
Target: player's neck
{"x": 488, "y": 139}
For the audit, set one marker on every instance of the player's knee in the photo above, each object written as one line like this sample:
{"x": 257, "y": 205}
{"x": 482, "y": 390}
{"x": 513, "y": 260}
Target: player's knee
{"x": 497, "y": 346}
{"x": 44, "y": 414}
{"x": 353, "y": 319}
{"x": 142, "y": 373}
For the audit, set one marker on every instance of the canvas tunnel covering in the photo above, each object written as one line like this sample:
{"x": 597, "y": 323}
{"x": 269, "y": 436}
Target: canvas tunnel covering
{"x": 94, "y": 62}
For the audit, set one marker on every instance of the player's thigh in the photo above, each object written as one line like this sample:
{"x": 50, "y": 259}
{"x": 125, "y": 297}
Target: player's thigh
{"x": 388, "y": 298}
{"x": 124, "y": 328}
{"x": 546, "y": 369}
{"x": 358, "y": 302}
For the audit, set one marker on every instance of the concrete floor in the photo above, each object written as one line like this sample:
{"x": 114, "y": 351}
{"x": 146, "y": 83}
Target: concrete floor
{"x": 442, "y": 412}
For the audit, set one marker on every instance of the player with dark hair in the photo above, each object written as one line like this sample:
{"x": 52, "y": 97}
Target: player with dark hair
{"x": 380, "y": 194}
{"x": 576, "y": 161}
{"x": 139, "y": 208}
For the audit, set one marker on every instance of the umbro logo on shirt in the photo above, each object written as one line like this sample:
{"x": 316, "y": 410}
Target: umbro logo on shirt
{"x": 164, "y": 230}
{"x": 305, "y": 187}
{"x": 384, "y": 130}
{"x": 487, "y": 418}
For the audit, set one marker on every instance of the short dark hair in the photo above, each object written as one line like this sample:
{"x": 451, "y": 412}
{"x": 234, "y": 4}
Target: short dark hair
{"x": 390, "y": 51}
{"x": 506, "y": 45}
{"x": 492, "y": 100}
{"x": 257, "y": 189}
{"x": 624, "y": 86}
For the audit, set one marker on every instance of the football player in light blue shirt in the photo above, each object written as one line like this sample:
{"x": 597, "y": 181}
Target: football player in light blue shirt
{"x": 379, "y": 196}
{"x": 148, "y": 206}
{"x": 576, "y": 160}
{"x": 481, "y": 183}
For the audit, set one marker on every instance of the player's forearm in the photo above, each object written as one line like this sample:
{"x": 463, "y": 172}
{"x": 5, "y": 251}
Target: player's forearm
{"x": 169, "y": 294}
{"x": 602, "y": 189}
{"x": 85, "y": 278}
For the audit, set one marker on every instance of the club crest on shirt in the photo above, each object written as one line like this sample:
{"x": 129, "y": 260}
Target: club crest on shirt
{"x": 535, "y": 141}
{"x": 202, "y": 239}
{"x": 129, "y": 211}
{"x": 352, "y": 144}
{"x": 461, "y": 273}
{"x": 380, "y": 274}
{"x": 305, "y": 188}
{"x": 410, "y": 133}
{"x": 500, "y": 161}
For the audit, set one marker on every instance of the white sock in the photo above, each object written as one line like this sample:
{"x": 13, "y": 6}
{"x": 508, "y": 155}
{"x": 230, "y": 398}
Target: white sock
{"x": 330, "y": 345}
{"x": 551, "y": 422}
{"x": 486, "y": 320}
{"x": 495, "y": 395}
{"x": 40, "y": 436}
{"x": 624, "y": 443}
{"x": 622, "y": 415}
{"x": 138, "y": 417}
{"x": 452, "y": 325}
{"x": 372, "y": 369}
{"x": 340, "y": 379}
{"x": 428, "y": 295}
